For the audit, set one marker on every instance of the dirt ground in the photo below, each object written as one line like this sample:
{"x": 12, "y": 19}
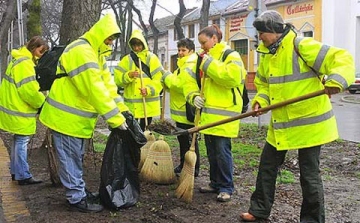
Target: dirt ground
{"x": 340, "y": 167}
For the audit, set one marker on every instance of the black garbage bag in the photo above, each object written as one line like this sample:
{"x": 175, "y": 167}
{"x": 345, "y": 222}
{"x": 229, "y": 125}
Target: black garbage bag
{"x": 120, "y": 185}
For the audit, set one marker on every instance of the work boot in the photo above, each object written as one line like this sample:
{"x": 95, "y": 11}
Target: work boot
{"x": 86, "y": 206}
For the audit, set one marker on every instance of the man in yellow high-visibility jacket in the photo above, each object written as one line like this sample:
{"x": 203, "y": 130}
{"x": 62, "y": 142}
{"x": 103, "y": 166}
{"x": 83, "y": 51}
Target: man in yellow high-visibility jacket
{"x": 284, "y": 72}
{"x": 75, "y": 102}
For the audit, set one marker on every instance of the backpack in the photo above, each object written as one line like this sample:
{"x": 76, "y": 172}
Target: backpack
{"x": 46, "y": 67}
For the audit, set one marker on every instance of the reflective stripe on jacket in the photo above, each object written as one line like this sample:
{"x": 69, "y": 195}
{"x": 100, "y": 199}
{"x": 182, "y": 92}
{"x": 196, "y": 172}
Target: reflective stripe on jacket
{"x": 224, "y": 83}
{"x": 20, "y": 98}
{"x": 175, "y": 83}
{"x": 133, "y": 98}
{"x": 75, "y": 101}
{"x": 284, "y": 75}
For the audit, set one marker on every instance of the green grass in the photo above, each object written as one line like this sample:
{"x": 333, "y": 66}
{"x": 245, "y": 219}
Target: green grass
{"x": 285, "y": 177}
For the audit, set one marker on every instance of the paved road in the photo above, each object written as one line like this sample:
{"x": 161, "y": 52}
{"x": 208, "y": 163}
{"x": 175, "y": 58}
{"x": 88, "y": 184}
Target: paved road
{"x": 346, "y": 107}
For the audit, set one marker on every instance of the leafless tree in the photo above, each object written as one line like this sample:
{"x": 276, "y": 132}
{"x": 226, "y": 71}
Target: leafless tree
{"x": 204, "y": 12}
{"x": 77, "y": 17}
{"x": 8, "y": 15}
{"x": 179, "y": 17}
{"x": 153, "y": 27}
{"x": 51, "y": 20}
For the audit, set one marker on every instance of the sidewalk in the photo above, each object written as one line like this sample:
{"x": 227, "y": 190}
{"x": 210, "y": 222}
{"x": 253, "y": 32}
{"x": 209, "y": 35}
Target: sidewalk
{"x": 13, "y": 207}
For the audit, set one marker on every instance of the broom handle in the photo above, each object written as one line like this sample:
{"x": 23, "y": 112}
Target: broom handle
{"x": 162, "y": 115}
{"x": 253, "y": 113}
{"x": 143, "y": 97}
{"x": 197, "y": 115}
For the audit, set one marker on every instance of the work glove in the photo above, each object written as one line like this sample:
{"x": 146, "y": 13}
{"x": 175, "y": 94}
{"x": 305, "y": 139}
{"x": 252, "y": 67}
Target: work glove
{"x": 199, "y": 102}
{"x": 123, "y": 126}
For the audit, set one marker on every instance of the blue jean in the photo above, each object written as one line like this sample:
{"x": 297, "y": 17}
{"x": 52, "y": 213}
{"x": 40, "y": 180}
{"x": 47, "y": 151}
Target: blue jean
{"x": 221, "y": 163}
{"x": 70, "y": 151}
{"x": 18, "y": 158}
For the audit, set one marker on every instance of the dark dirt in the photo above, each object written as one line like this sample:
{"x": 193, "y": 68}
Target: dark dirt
{"x": 340, "y": 166}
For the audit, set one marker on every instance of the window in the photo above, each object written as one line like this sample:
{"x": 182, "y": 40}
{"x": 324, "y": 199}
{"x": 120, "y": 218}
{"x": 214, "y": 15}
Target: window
{"x": 191, "y": 31}
{"x": 241, "y": 46}
{"x": 308, "y": 34}
{"x": 175, "y": 35}
{"x": 216, "y": 21}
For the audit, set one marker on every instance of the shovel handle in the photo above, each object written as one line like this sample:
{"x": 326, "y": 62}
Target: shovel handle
{"x": 253, "y": 113}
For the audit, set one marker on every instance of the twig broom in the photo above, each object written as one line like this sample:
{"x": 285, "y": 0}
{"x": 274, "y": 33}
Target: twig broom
{"x": 158, "y": 167}
{"x": 185, "y": 189}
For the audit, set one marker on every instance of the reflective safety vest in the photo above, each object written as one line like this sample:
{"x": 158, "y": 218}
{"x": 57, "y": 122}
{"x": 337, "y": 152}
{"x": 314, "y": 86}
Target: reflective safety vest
{"x": 224, "y": 83}
{"x": 283, "y": 75}
{"x": 132, "y": 97}
{"x": 175, "y": 83}
{"x": 20, "y": 98}
{"x": 75, "y": 101}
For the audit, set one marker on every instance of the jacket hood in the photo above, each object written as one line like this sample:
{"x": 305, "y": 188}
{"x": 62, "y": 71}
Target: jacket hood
{"x": 21, "y": 52}
{"x": 138, "y": 35}
{"x": 101, "y": 30}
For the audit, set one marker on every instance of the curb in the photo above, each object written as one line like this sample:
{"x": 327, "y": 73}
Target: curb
{"x": 351, "y": 99}
{"x": 14, "y": 208}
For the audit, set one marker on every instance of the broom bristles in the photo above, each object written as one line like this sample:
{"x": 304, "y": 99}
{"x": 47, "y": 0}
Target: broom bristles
{"x": 158, "y": 167}
{"x": 144, "y": 150}
{"x": 185, "y": 189}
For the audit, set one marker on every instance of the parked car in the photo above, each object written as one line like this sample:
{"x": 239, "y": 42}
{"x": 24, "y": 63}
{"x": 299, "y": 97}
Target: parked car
{"x": 356, "y": 85}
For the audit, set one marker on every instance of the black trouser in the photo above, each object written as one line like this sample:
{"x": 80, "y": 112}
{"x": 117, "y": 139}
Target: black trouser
{"x": 312, "y": 208}
{"x": 185, "y": 142}
{"x": 142, "y": 122}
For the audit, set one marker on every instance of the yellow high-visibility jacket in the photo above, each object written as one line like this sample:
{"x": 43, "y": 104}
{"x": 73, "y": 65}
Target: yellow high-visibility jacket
{"x": 284, "y": 75}
{"x": 20, "y": 98}
{"x": 133, "y": 98}
{"x": 175, "y": 83}
{"x": 75, "y": 101}
{"x": 223, "y": 87}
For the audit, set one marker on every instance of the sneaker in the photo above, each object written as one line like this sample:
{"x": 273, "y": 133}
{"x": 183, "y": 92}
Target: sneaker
{"x": 92, "y": 197}
{"x": 223, "y": 197}
{"x": 208, "y": 189}
{"x": 29, "y": 181}
{"x": 86, "y": 207}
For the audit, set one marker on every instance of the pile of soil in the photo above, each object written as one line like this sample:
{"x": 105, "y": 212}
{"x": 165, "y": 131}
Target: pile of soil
{"x": 340, "y": 168}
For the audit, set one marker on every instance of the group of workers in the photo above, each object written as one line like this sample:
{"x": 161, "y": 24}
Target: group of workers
{"x": 74, "y": 103}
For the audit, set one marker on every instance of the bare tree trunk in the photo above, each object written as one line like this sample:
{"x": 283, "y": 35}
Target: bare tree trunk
{"x": 52, "y": 159}
{"x": 153, "y": 27}
{"x": 5, "y": 23}
{"x": 137, "y": 11}
{"x": 179, "y": 17}
{"x": 77, "y": 17}
{"x": 204, "y": 19}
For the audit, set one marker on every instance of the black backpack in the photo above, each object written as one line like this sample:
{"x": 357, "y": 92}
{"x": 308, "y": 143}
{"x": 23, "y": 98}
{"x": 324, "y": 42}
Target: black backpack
{"x": 46, "y": 67}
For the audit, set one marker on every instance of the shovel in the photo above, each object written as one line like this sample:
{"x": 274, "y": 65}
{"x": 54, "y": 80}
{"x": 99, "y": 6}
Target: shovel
{"x": 179, "y": 131}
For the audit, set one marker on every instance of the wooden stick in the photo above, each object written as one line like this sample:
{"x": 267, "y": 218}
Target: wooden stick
{"x": 251, "y": 113}
{"x": 143, "y": 97}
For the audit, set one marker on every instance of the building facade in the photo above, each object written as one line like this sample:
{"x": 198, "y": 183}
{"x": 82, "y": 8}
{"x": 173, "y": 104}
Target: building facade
{"x": 333, "y": 22}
